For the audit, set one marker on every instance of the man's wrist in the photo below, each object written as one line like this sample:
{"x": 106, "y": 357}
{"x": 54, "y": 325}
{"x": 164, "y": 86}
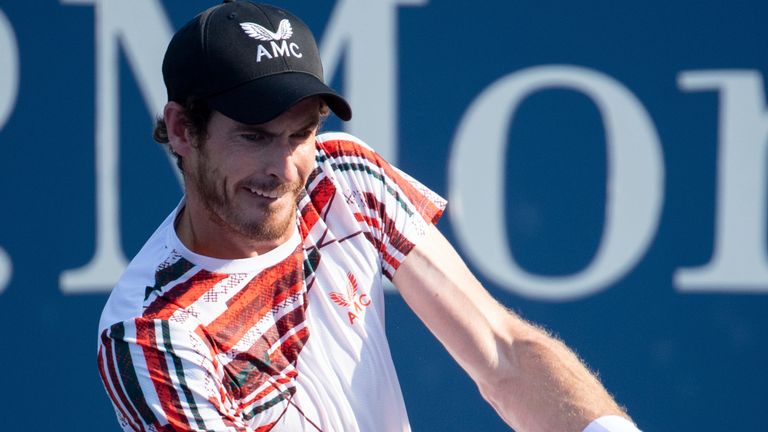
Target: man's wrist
{"x": 611, "y": 423}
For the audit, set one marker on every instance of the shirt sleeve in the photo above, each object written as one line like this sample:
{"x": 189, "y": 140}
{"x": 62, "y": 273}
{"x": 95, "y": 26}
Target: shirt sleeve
{"x": 611, "y": 424}
{"x": 392, "y": 208}
{"x": 161, "y": 376}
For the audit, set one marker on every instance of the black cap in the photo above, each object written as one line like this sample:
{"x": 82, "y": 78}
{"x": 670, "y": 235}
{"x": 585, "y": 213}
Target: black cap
{"x": 251, "y": 62}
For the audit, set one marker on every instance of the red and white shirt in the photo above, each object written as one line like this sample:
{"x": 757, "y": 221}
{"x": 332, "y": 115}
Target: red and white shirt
{"x": 290, "y": 340}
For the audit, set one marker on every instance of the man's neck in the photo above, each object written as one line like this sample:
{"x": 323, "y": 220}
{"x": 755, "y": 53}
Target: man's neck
{"x": 202, "y": 234}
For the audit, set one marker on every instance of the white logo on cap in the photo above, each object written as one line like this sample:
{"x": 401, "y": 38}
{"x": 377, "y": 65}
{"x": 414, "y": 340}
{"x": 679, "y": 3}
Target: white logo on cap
{"x": 283, "y": 33}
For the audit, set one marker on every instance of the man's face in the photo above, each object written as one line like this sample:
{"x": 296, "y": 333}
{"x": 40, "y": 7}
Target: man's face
{"x": 249, "y": 177}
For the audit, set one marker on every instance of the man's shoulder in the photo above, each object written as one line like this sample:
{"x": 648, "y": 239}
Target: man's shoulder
{"x": 341, "y": 152}
{"x": 126, "y": 301}
{"x": 327, "y": 137}
{"x": 333, "y": 142}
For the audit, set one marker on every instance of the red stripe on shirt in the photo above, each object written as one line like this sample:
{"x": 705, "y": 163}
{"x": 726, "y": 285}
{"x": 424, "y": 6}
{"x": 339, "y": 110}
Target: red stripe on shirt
{"x": 284, "y": 378}
{"x": 267, "y": 290}
{"x": 370, "y": 221}
{"x": 265, "y": 360}
{"x": 265, "y": 428}
{"x": 396, "y": 239}
{"x": 269, "y": 338}
{"x": 183, "y": 295}
{"x": 293, "y": 344}
{"x": 339, "y": 148}
{"x": 322, "y": 193}
{"x": 320, "y": 196}
{"x": 157, "y": 368}
{"x": 309, "y": 217}
{"x": 121, "y": 401}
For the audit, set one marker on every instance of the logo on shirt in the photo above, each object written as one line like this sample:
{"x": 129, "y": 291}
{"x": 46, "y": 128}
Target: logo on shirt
{"x": 354, "y": 302}
{"x": 278, "y": 40}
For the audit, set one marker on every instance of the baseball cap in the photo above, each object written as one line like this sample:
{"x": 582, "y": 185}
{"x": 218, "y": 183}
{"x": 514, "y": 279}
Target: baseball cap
{"x": 250, "y": 61}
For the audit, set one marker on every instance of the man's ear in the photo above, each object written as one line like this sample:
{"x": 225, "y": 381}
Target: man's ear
{"x": 179, "y": 138}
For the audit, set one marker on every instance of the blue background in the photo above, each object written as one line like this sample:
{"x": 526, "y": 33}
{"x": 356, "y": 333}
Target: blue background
{"x": 678, "y": 361}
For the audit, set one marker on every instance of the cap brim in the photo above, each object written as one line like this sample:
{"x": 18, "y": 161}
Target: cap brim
{"x": 263, "y": 99}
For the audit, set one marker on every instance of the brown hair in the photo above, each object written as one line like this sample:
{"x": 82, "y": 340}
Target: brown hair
{"x": 197, "y": 114}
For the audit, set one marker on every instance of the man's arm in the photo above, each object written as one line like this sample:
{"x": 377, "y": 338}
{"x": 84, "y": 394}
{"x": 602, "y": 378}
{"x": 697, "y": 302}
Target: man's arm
{"x": 533, "y": 381}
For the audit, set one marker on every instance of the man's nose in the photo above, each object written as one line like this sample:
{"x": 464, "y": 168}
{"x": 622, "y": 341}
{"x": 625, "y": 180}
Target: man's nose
{"x": 280, "y": 159}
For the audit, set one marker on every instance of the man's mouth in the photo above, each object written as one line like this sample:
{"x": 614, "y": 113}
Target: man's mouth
{"x": 270, "y": 190}
{"x": 266, "y": 193}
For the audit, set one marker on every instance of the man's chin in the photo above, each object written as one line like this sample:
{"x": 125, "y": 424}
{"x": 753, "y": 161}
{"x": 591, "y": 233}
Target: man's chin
{"x": 270, "y": 228}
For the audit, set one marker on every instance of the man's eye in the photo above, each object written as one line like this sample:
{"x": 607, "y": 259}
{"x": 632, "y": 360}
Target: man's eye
{"x": 304, "y": 134}
{"x": 253, "y": 137}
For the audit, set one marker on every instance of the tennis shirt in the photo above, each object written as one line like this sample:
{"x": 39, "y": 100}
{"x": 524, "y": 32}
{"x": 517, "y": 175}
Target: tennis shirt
{"x": 290, "y": 340}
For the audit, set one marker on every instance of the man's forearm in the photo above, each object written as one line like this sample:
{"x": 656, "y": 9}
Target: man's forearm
{"x": 533, "y": 380}
{"x": 541, "y": 385}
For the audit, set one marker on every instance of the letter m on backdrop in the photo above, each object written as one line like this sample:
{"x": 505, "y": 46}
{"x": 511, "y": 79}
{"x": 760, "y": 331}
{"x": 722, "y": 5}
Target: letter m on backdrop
{"x": 141, "y": 28}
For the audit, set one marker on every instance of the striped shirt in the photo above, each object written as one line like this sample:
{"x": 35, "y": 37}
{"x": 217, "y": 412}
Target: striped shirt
{"x": 293, "y": 339}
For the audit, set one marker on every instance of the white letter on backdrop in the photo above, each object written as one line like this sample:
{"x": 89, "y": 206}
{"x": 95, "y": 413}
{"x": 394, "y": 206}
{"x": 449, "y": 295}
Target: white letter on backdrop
{"x": 141, "y": 28}
{"x": 739, "y": 261}
{"x": 635, "y": 182}
{"x": 9, "y": 90}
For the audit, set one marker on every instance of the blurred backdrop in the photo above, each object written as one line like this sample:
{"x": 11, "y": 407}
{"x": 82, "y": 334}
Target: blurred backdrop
{"x": 604, "y": 161}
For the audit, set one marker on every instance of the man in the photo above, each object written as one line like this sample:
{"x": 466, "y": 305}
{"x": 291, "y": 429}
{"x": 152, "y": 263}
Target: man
{"x": 257, "y": 304}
